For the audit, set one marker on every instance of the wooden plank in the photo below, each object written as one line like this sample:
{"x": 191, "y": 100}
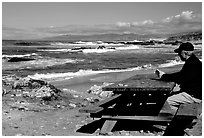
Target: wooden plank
{"x": 121, "y": 89}
{"x": 90, "y": 109}
{"x": 108, "y": 126}
{"x": 108, "y": 101}
{"x": 99, "y": 106}
{"x": 188, "y": 110}
{"x": 186, "y": 113}
{"x": 144, "y": 118}
{"x": 141, "y": 84}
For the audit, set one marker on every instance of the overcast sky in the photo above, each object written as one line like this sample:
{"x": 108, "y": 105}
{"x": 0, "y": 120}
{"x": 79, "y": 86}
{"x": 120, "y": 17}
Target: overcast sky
{"x": 37, "y": 19}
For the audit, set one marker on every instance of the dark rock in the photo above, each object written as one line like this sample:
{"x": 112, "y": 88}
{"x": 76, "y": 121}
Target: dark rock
{"x": 19, "y": 59}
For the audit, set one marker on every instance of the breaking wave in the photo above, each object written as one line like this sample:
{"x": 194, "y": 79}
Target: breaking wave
{"x": 25, "y": 55}
{"x": 70, "y": 75}
{"x": 38, "y": 63}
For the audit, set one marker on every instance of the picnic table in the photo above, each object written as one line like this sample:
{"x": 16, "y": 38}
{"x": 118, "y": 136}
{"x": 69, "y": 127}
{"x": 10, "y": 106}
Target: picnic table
{"x": 141, "y": 97}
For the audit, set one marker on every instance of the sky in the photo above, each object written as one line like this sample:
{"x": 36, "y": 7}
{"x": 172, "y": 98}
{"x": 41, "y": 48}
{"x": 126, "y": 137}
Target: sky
{"x": 32, "y": 20}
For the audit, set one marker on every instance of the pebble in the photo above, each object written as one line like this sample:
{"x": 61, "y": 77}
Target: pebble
{"x": 72, "y": 105}
{"x": 18, "y": 95}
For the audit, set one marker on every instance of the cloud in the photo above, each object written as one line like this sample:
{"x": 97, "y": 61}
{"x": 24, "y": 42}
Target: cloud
{"x": 186, "y": 21}
{"x": 122, "y": 24}
{"x": 184, "y": 17}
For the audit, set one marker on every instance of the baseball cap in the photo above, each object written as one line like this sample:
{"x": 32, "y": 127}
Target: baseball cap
{"x": 184, "y": 46}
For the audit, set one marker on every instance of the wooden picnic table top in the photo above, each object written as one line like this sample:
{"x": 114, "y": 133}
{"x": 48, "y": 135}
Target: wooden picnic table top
{"x": 141, "y": 83}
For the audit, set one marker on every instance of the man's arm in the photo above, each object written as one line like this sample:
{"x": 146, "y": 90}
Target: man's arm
{"x": 174, "y": 77}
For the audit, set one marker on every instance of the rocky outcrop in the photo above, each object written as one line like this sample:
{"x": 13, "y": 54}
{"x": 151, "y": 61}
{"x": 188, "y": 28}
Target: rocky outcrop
{"x": 32, "y": 88}
{"x": 30, "y": 94}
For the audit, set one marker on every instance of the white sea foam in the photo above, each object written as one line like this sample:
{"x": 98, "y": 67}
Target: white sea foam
{"x": 26, "y": 55}
{"x": 82, "y": 43}
{"x": 39, "y": 63}
{"x": 80, "y": 73}
{"x": 97, "y": 50}
{"x": 51, "y": 62}
{"x": 55, "y": 50}
{"x": 171, "y": 63}
{"x": 59, "y": 43}
{"x": 128, "y": 47}
{"x": 109, "y": 47}
{"x": 70, "y": 75}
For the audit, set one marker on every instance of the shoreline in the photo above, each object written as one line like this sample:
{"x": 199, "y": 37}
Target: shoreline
{"x": 84, "y": 83}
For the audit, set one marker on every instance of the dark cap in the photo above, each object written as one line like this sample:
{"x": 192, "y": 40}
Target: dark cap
{"x": 185, "y": 46}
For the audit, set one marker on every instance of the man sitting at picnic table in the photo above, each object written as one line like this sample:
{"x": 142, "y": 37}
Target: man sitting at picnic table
{"x": 188, "y": 80}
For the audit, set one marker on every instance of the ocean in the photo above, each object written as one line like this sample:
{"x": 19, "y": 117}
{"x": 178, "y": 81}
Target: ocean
{"x": 59, "y": 60}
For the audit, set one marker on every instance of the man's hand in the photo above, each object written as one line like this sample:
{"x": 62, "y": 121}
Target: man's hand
{"x": 159, "y": 73}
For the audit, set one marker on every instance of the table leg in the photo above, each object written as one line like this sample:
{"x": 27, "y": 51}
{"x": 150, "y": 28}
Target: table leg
{"x": 108, "y": 126}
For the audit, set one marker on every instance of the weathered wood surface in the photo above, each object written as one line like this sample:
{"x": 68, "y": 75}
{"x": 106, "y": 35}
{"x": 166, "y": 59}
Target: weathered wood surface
{"x": 183, "y": 118}
{"x": 188, "y": 110}
{"x": 108, "y": 126}
{"x": 99, "y": 106}
{"x": 91, "y": 109}
{"x": 141, "y": 83}
{"x": 141, "y": 118}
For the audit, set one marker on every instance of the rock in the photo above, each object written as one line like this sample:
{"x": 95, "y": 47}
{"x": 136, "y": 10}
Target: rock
{"x": 31, "y": 89}
{"x": 19, "y": 59}
{"x": 72, "y": 105}
{"x": 106, "y": 93}
{"x": 97, "y": 90}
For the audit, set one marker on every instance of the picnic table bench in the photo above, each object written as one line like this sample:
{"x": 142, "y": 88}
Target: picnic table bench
{"x": 141, "y": 97}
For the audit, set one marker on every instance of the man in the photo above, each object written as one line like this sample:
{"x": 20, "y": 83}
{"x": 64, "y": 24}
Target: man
{"x": 189, "y": 78}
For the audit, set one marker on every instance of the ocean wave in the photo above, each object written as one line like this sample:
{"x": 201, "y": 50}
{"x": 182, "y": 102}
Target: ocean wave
{"x": 25, "y": 55}
{"x": 83, "y": 43}
{"x": 69, "y": 75}
{"x": 92, "y": 50}
{"x": 128, "y": 47}
{"x": 54, "y": 50}
{"x": 97, "y": 50}
{"x": 59, "y": 43}
{"x": 80, "y": 73}
{"x": 38, "y": 63}
{"x": 171, "y": 63}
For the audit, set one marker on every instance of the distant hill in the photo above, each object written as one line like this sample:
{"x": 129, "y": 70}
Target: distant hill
{"x": 186, "y": 36}
{"x": 104, "y": 37}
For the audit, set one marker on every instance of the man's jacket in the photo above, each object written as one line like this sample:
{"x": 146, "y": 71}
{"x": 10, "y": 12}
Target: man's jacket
{"x": 189, "y": 77}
